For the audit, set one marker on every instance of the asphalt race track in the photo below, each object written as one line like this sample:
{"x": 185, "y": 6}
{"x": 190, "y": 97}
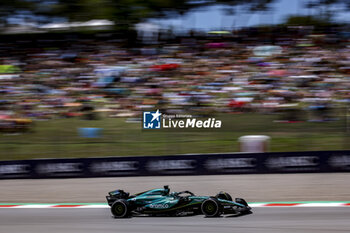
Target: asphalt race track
{"x": 253, "y": 188}
{"x": 267, "y": 219}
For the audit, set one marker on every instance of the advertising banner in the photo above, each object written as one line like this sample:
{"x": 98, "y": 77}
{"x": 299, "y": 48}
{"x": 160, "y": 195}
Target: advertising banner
{"x": 193, "y": 164}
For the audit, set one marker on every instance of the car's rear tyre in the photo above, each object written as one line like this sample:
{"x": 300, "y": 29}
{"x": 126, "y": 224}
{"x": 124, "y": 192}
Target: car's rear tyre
{"x": 211, "y": 208}
{"x": 120, "y": 209}
{"x": 224, "y": 196}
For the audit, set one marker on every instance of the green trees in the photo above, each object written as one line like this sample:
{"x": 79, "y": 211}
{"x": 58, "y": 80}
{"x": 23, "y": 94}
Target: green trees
{"x": 301, "y": 20}
{"x": 122, "y": 12}
{"x": 327, "y": 8}
{"x": 128, "y": 12}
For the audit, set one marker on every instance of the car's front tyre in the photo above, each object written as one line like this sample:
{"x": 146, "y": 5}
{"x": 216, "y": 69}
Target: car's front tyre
{"x": 120, "y": 209}
{"x": 211, "y": 208}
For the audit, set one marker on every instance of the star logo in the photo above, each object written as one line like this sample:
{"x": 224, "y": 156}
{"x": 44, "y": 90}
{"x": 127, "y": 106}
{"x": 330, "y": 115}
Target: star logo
{"x": 151, "y": 120}
{"x": 156, "y": 115}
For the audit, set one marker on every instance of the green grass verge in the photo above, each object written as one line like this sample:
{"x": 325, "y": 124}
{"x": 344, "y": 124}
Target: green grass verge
{"x": 59, "y": 138}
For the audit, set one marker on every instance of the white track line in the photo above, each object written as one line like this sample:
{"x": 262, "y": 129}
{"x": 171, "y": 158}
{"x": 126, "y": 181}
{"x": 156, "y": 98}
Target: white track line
{"x": 29, "y": 206}
{"x": 93, "y": 206}
{"x": 320, "y": 204}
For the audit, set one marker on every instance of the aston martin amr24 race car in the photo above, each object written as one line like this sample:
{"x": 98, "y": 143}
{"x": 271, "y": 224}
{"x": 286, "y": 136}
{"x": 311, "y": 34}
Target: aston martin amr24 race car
{"x": 160, "y": 202}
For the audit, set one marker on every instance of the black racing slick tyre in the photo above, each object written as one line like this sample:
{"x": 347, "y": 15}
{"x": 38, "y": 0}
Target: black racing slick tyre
{"x": 120, "y": 209}
{"x": 211, "y": 208}
{"x": 224, "y": 196}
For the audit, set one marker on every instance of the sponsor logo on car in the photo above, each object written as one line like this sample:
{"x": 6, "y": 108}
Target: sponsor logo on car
{"x": 159, "y": 206}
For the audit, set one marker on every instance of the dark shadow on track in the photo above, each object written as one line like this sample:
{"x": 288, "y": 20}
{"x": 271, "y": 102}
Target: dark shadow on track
{"x": 181, "y": 216}
{"x": 157, "y": 216}
{"x": 239, "y": 215}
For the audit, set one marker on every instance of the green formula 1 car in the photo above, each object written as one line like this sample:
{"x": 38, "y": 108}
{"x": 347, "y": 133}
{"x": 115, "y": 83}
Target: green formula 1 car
{"x": 160, "y": 202}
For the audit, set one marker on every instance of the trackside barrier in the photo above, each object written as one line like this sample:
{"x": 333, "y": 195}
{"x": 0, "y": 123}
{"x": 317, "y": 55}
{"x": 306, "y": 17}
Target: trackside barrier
{"x": 193, "y": 164}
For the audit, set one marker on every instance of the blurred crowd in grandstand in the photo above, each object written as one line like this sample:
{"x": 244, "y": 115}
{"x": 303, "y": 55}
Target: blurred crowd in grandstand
{"x": 286, "y": 69}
